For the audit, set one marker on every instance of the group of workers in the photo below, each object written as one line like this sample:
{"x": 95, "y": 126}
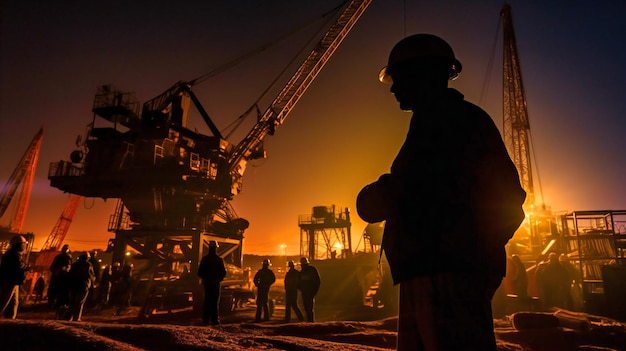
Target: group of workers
{"x": 212, "y": 272}
{"x": 307, "y": 281}
{"x": 75, "y": 282}
{"x": 86, "y": 280}
{"x": 554, "y": 282}
{"x": 72, "y": 283}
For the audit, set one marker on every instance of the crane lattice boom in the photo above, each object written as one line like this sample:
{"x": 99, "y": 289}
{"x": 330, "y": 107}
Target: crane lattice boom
{"x": 515, "y": 114}
{"x": 299, "y": 82}
{"x": 58, "y": 233}
{"x": 23, "y": 174}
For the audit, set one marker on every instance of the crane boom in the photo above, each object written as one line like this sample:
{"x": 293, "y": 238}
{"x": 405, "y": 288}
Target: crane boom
{"x": 58, "y": 233}
{"x": 23, "y": 174}
{"x": 515, "y": 114}
{"x": 285, "y": 101}
{"x": 53, "y": 243}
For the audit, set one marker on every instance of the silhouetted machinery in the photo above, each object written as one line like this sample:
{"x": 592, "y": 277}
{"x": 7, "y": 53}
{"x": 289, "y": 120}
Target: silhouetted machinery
{"x": 175, "y": 184}
{"x": 350, "y": 280}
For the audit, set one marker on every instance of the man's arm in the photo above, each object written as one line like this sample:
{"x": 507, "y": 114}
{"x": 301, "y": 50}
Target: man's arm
{"x": 372, "y": 202}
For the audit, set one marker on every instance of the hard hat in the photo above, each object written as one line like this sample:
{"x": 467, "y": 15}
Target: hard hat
{"x": 420, "y": 46}
{"x": 304, "y": 260}
{"x": 213, "y": 243}
{"x": 266, "y": 262}
{"x": 291, "y": 264}
{"x": 18, "y": 239}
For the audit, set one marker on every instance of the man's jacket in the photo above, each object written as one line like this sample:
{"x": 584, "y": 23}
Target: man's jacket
{"x": 453, "y": 197}
{"x": 212, "y": 269}
{"x": 12, "y": 268}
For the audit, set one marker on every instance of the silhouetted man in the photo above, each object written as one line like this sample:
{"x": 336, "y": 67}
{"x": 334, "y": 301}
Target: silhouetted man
{"x": 263, "y": 280}
{"x": 212, "y": 271}
{"x": 12, "y": 275}
{"x": 309, "y": 286}
{"x": 122, "y": 288}
{"x": 520, "y": 278}
{"x": 451, "y": 202}
{"x": 97, "y": 270}
{"x": 555, "y": 283}
{"x": 104, "y": 287}
{"x": 40, "y": 286}
{"x": 292, "y": 281}
{"x": 81, "y": 278}
{"x": 574, "y": 302}
{"x": 58, "y": 268}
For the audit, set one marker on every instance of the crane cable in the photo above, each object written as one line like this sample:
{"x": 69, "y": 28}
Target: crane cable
{"x": 255, "y": 106}
{"x": 485, "y": 87}
{"x": 532, "y": 150}
{"x": 226, "y": 66}
{"x": 248, "y": 55}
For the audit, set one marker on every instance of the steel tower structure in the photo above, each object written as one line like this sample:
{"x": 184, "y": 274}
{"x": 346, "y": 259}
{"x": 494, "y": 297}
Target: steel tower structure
{"x": 515, "y": 113}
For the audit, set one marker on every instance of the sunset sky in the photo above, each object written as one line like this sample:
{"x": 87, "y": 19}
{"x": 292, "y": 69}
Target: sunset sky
{"x": 347, "y": 128}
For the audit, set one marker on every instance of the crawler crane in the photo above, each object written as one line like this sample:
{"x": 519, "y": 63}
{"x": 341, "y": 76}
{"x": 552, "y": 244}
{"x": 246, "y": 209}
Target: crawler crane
{"x": 175, "y": 184}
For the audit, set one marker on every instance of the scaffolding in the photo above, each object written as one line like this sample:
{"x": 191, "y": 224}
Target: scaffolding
{"x": 325, "y": 234}
{"x": 594, "y": 241}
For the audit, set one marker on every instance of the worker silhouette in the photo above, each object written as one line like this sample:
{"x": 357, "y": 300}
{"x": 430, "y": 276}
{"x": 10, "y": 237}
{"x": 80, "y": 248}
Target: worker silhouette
{"x": 555, "y": 282}
{"x": 122, "y": 287}
{"x": 292, "y": 281}
{"x": 451, "y": 202}
{"x": 263, "y": 280}
{"x": 60, "y": 266}
{"x": 212, "y": 271}
{"x": 40, "y": 286}
{"x": 309, "y": 286}
{"x": 97, "y": 270}
{"x": 575, "y": 300}
{"x": 12, "y": 275}
{"x": 520, "y": 278}
{"x": 103, "y": 291}
{"x": 81, "y": 278}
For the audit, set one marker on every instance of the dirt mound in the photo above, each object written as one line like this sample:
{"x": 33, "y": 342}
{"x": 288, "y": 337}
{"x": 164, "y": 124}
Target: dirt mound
{"x": 180, "y": 330}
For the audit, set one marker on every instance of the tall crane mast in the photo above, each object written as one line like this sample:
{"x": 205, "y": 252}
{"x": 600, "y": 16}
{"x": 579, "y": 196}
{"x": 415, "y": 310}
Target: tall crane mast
{"x": 537, "y": 233}
{"x": 23, "y": 174}
{"x": 515, "y": 114}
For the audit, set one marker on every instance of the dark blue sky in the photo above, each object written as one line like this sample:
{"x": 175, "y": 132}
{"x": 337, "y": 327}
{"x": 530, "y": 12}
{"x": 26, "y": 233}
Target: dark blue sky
{"x": 347, "y": 128}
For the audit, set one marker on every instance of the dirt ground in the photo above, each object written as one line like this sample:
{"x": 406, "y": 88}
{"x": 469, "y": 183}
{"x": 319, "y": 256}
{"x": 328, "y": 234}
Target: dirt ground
{"x": 35, "y": 329}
